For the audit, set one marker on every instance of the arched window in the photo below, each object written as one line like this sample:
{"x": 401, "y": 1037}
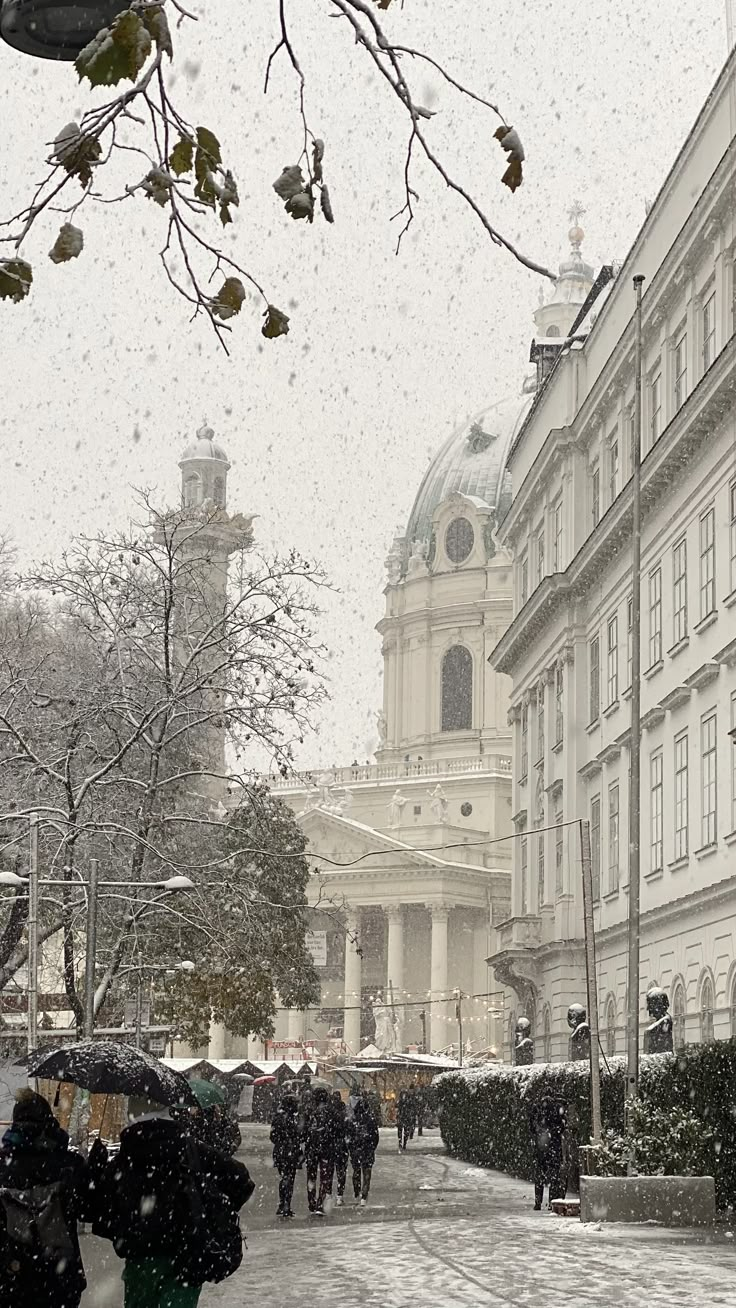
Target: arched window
{"x": 706, "y": 1011}
{"x": 679, "y": 1011}
{"x": 552, "y": 331}
{"x": 219, "y": 492}
{"x": 457, "y": 689}
{"x": 547, "y": 1037}
{"x": 192, "y": 494}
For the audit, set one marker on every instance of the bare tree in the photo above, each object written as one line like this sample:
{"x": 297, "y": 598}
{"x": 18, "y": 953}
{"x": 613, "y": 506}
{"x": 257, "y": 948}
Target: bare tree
{"x": 184, "y": 171}
{"x": 136, "y": 684}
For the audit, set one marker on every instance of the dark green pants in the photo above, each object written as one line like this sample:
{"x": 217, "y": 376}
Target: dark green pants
{"x": 150, "y": 1283}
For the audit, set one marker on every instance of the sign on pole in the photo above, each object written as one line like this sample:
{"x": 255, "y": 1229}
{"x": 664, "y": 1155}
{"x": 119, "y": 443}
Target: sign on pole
{"x": 316, "y": 942}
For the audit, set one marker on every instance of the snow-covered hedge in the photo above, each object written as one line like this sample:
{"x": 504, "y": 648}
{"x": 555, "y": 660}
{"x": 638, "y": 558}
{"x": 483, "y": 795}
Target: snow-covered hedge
{"x": 484, "y": 1111}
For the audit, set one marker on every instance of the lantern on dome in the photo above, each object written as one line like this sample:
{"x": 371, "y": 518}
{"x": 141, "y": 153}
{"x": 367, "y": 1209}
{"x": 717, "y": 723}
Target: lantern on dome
{"x": 55, "y": 29}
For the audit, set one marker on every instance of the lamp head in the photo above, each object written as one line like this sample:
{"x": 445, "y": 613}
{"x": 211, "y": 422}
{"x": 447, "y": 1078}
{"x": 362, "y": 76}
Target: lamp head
{"x": 177, "y": 883}
{"x": 55, "y": 29}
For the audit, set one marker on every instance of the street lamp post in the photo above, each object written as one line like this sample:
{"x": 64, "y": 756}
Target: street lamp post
{"x": 32, "y": 882}
{"x": 55, "y": 29}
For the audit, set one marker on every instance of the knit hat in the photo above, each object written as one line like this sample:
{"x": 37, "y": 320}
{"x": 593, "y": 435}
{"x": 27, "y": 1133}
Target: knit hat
{"x": 31, "y": 1109}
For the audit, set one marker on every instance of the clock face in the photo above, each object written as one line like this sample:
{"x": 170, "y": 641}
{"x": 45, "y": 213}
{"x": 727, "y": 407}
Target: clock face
{"x": 459, "y": 540}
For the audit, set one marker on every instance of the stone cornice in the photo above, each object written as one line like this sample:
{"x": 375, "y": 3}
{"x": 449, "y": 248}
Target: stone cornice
{"x": 667, "y": 461}
{"x": 713, "y": 896}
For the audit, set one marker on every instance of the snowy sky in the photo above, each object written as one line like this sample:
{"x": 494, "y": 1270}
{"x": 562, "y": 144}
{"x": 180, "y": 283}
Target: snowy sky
{"x": 330, "y": 430}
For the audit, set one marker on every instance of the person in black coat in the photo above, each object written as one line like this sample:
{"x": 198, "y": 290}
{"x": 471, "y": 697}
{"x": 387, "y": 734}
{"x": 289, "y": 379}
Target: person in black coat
{"x": 547, "y": 1120}
{"x": 319, "y": 1151}
{"x": 287, "y": 1150}
{"x": 406, "y": 1118}
{"x": 363, "y": 1142}
{"x": 44, "y": 1193}
{"x": 341, "y": 1144}
{"x": 145, "y": 1207}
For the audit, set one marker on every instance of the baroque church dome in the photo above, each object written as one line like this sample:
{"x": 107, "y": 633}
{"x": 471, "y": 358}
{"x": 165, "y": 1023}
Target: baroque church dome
{"x": 204, "y": 447}
{"x": 472, "y": 461}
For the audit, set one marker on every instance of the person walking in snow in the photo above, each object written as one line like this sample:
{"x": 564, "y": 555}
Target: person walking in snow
{"x": 170, "y": 1206}
{"x": 406, "y": 1118}
{"x": 319, "y": 1151}
{"x": 341, "y": 1140}
{"x": 547, "y": 1120}
{"x": 44, "y": 1193}
{"x": 363, "y": 1141}
{"x": 287, "y": 1150}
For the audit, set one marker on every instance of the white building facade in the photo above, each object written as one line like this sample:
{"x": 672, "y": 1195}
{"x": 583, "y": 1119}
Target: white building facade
{"x": 568, "y": 648}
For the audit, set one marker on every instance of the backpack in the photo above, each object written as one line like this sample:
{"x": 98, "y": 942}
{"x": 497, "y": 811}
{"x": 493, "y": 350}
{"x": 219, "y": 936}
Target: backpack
{"x": 214, "y": 1249}
{"x": 36, "y": 1227}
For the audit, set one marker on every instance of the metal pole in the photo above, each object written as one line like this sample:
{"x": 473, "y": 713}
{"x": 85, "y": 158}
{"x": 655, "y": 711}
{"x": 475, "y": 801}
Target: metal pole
{"x": 139, "y": 1011}
{"x": 590, "y": 970}
{"x": 33, "y": 933}
{"x": 423, "y": 1018}
{"x": 459, "y": 1014}
{"x": 632, "y": 1065}
{"x": 89, "y": 965}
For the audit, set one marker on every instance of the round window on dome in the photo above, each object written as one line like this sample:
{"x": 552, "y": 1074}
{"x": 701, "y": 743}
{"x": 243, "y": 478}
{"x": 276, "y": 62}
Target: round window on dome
{"x": 459, "y": 540}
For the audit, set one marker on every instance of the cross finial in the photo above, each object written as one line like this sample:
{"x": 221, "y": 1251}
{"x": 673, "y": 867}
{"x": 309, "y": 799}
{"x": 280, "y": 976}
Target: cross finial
{"x": 576, "y": 212}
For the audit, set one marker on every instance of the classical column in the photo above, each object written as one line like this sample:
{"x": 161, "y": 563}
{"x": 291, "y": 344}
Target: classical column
{"x": 295, "y": 1025}
{"x": 395, "y": 967}
{"x": 216, "y": 1043}
{"x": 351, "y": 988}
{"x": 439, "y": 1034}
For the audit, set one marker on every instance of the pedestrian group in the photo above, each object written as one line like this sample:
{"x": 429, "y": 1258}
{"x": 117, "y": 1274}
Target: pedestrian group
{"x": 320, "y": 1133}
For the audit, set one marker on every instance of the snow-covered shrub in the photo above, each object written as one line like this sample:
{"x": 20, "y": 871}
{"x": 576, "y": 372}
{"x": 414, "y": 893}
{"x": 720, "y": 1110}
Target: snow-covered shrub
{"x": 484, "y": 1114}
{"x": 667, "y": 1142}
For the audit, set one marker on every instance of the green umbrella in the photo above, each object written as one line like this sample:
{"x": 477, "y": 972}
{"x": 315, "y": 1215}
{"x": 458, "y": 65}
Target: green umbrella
{"x": 207, "y": 1094}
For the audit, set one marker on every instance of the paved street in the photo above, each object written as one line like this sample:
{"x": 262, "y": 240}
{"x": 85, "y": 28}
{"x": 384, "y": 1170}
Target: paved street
{"x": 438, "y": 1232}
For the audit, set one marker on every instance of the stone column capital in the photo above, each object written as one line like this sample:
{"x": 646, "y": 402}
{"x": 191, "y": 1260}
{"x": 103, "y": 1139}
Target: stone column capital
{"x": 395, "y": 914}
{"x": 440, "y": 910}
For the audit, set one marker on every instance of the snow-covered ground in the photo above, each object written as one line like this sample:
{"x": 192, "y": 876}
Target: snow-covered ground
{"x": 438, "y": 1232}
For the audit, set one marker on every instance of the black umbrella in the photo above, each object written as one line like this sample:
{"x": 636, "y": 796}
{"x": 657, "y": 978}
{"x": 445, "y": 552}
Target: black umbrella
{"x": 107, "y": 1068}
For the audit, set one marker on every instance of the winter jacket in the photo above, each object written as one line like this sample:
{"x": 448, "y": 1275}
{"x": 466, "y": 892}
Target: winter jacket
{"x": 407, "y": 1113}
{"x": 145, "y": 1192}
{"x": 340, "y": 1132}
{"x": 548, "y": 1122}
{"x": 31, "y": 1157}
{"x": 286, "y": 1141}
{"x": 363, "y": 1138}
{"x": 319, "y": 1144}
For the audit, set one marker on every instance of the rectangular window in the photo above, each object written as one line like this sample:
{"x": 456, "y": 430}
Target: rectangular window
{"x": 629, "y": 641}
{"x": 595, "y": 494}
{"x": 709, "y": 780}
{"x": 656, "y": 791}
{"x": 595, "y": 846}
{"x": 680, "y": 371}
{"x": 613, "y": 816}
{"x": 612, "y": 660}
{"x": 655, "y": 617}
{"x": 594, "y": 679}
{"x": 707, "y": 563}
{"x": 540, "y": 722}
{"x": 681, "y": 796}
{"x": 559, "y": 704}
{"x": 524, "y": 874}
{"x": 541, "y": 570}
{"x": 679, "y": 591}
{"x": 557, "y": 544}
{"x": 733, "y": 761}
{"x": 540, "y": 869}
{"x": 559, "y": 844}
{"x": 613, "y": 468}
{"x": 524, "y": 578}
{"x": 655, "y": 408}
{"x": 524, "y": 741}
{"x": 709, "y": 331}
{"x": 732, "y": 533}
